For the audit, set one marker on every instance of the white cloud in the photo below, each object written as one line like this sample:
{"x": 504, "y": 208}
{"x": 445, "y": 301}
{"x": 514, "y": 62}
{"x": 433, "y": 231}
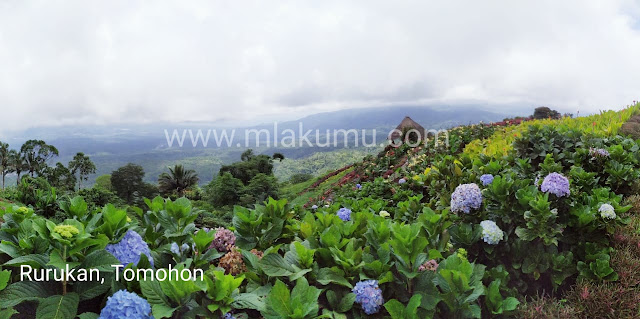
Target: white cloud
{"x": 66, "y": 62}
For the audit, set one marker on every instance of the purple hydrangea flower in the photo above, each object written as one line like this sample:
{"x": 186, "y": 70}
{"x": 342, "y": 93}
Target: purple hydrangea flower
{"x": 358, "y": 186}
{"x": 224, "y": 240}
{"x": 344, "y": 214}
{"x": 129, "y": 249}
{"x": 124, "y": 304}
{"x": 369, "y": 296}
{"x": 431, "y": 265}
{"x": 598, "y": 152}
{"x": 486, "y": 179}
{"x": 556, "y": 184}
{"x": 465, "y": 198}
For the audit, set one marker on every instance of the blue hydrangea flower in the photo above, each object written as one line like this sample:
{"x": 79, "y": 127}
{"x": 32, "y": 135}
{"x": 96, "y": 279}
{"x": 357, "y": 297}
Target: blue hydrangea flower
{"x": 556, "y": 184}
{"x": 175, "y": 249}
{"x": 607, "y": 211}
{"x": 344, "y": 214}
{"x": 228, "y": 315}
{"x": 486, "y": 179}
{"x": 124, "y": 304}
{"x": 598, "y": 152}
{"x": 358, "y": 186}
{"x": 491, "y": 233}
{"x": 369, "y": 296}
{"x": 314, "y": 207}
{"x": 402, "y": 181}
{"x": 465, "y": 198}
{"x": 129, "y": 249}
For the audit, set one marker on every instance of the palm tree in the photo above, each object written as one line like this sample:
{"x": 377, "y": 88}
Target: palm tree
{"x": 18, "y": 163}
{"x": 5, "y": 161}
{"x": 178, "y": 179}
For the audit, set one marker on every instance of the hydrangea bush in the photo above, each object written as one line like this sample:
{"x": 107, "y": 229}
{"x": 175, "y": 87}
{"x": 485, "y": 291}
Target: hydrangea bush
{"x": 556, "y": 184}
{"x": 124, "y": 304}
{"x": 224, "y": 239}
{"x": 344, "y": 214}
{"x": 129, "y": 249}
{"x": 369, "y": 296}
{"x": 465, "y": 198}
{"x": 491, "y": 233}
{"x": 486, "y": 179}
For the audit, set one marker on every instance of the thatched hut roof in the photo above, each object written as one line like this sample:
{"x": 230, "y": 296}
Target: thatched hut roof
{"x": 406, "y": 125}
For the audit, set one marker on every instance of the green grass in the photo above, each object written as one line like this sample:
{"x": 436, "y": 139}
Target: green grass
{"x": 318, "y": 191}
{"x": 4, "y": 204}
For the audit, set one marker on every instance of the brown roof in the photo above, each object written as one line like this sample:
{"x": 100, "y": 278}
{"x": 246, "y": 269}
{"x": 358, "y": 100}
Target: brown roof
{"x": 407, "y": 124}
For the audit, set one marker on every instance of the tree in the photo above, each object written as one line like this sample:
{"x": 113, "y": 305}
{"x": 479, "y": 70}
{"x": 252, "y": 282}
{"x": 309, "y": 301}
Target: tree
{"x": 544, "y": 112}
{"x": 83, "y": 166}
{"x": 127, "y": 181}
{"x": 60, "y": 177}
{"x": 250, "y": 166}
{"x": 246, "y": 155}
{"x": 36, "y": 153}
{"x": 225, "y": 190}
{"x": 177, "y": 180}
{"x": 278, "y": 156}
{"x": 104, "y": 182}
{"x": 263, "y": 186}
{"x": 5, "y": 161}
{"x": 18, "y": 163}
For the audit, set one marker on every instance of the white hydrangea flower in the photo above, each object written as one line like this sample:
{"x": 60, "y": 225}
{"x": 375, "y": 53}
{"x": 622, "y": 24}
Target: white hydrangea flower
{"x": 491, "y": 233}
{"x": 607, "y": 211}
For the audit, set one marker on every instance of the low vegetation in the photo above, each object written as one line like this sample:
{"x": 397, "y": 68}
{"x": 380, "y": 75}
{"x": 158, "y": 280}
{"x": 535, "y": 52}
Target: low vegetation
{"x": 547, "y": 227}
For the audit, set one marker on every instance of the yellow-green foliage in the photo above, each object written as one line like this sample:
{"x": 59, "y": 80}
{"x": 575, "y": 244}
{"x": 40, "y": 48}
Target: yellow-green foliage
{"x": 606, "y": 123}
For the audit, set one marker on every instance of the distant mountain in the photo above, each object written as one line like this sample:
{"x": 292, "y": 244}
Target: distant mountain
{"x": 113, "y": 146}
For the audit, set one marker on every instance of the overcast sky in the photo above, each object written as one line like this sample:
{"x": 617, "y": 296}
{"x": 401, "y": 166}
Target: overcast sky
{"x": 67, "y": 62}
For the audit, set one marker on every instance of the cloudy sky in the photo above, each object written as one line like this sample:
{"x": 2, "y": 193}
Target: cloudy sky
{"x": 68, "y": 62}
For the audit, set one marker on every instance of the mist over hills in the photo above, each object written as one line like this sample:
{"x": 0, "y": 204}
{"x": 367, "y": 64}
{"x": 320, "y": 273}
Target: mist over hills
{"x": 146, "y": 144}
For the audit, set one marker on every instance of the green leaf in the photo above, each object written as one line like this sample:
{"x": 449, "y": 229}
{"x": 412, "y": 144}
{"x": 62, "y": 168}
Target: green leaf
{"x": 58, "y": 307}
{"x": 346, "y": 303}
{"x": 162, "y": 311}
{"x": 305, "y": 298}
{"x": 153, "y": 293}
{"x": 22, "y": 291}
{"x": 278, "y": 303}
{"x": 33, "y": 260}
{"x": 88, "y": 315}
{"x": 510, "y": 304}
{"x": 5, "y": 276}
{"x": 248, "y": 301}
{"x": 395, "y": 309}
{"x": 412, "y": 307}
{"x": 101, "y": 260}
{"x": 274, "y": 265}
{"x": 8, "y": 313}
{"x": 332, "y": 275}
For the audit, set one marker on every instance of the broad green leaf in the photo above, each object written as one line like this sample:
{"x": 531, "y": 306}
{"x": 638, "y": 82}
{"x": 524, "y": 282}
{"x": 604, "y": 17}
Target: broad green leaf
{"x": 5, "y": 276}
{"x": 278, "y": 304}
{"x": 58, "y": 307}
{"x": 23, "y": 291}
{"x": 162, "y": 311}
{"x": 329, "y": 275}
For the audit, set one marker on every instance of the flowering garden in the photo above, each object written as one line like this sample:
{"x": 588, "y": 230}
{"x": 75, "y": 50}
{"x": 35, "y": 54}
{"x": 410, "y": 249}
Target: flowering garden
{"x": 545, "y": 228}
